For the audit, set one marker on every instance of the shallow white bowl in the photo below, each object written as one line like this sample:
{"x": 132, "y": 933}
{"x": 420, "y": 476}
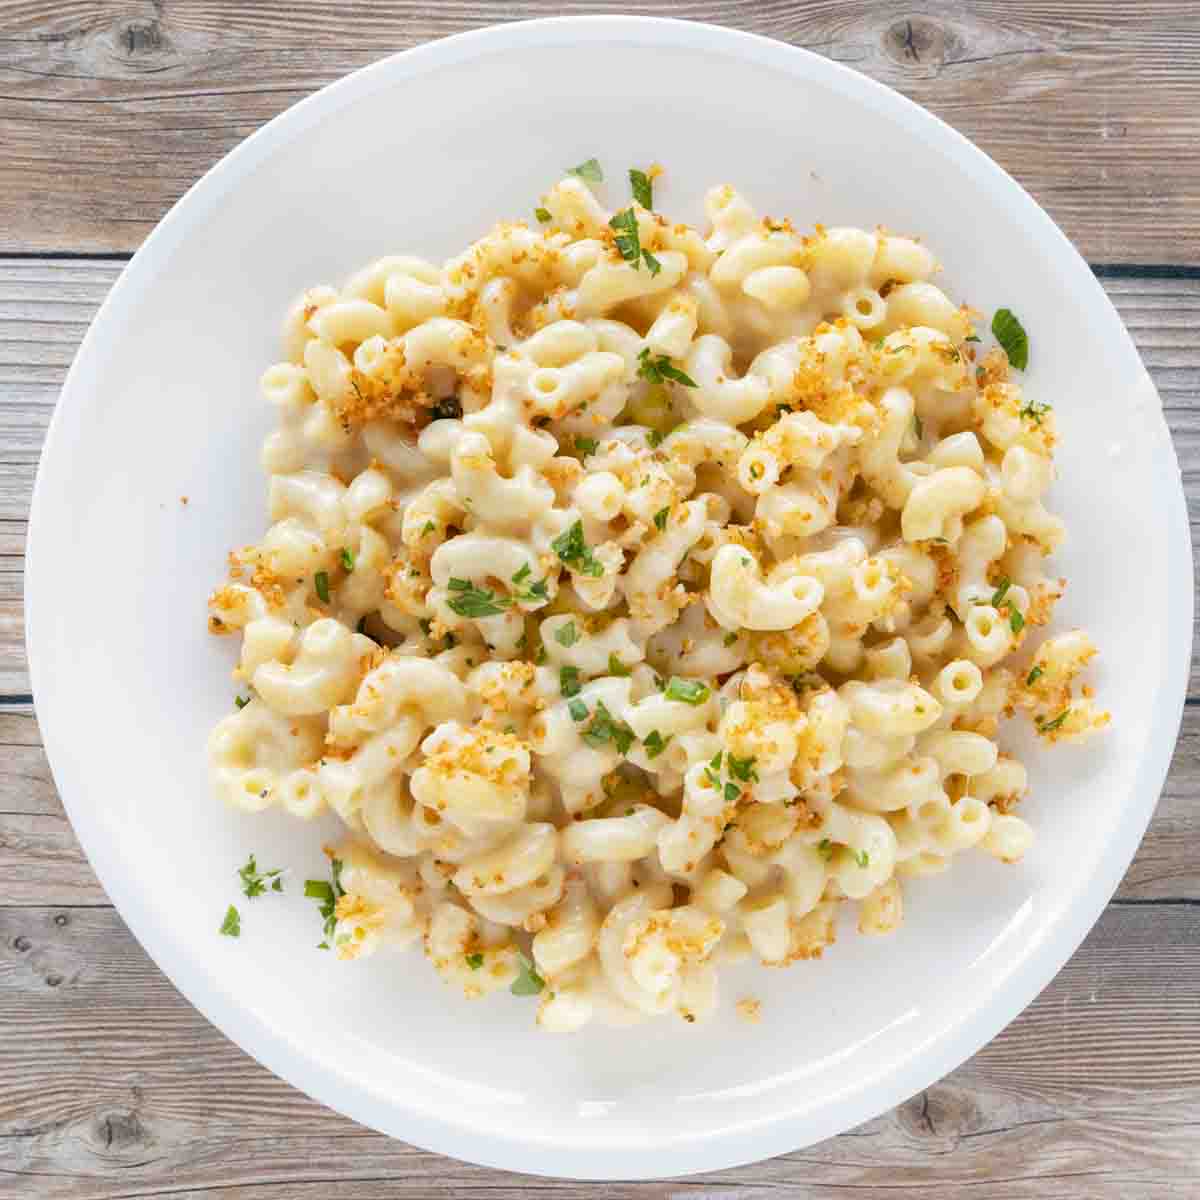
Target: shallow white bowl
{"x": 421, "y": 153}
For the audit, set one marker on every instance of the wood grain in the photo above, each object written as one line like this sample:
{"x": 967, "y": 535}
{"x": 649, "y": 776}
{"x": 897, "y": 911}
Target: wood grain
{"x": 114, "y": 1086}
{"x": 109, "y": 109}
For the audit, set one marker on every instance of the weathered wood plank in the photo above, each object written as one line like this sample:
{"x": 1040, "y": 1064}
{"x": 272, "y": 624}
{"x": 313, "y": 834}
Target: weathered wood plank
{"x": 109, "y": 109}
{"x": 1099, "y": 1080}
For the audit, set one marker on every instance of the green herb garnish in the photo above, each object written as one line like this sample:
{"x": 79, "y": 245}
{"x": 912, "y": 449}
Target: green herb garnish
{"x": 255, "y": 882}
{"x": 573, "y": 550}
{"x": 861, "y": 857}
{"x": 643, "y": 189}
{"x": 528, "y": 982}
{"x": 1034, "y": 676}
{"x": 690, "y": 691}
{"x": 321, "y": 582}
{"x": 605, "y": 728}
{"x": 589, "y": 171}
{"x": 568, "y": 681}
{"x": 566, "y": 635}
{"x": 660, "y": 518}
{"x": 241, "y": 701}
{"x": 741, "y": 768}
{"x": 1051, "y": 726}
{"x": 471, "y": 601}
{"x": 578, "y": 710}
{"x": 543, "y": 215}
{"x": 825, "y": 849}
{"x": 655, "y": 743}
{"x": 328, "y": 892}
{"x": 660, "y": 369}
{"x": 586, "y": 445}
{"x": 474, "y": 961}
{"x": 347, "y": 557}
{"x": 617, "y": 667}
{"x": 1011, "y": 335}
{"x": 624, "y": 225}
{"x": 232, "y": 925}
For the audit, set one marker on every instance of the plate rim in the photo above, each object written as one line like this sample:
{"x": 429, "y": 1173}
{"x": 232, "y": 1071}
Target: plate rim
{"x": 734, "y": 1145}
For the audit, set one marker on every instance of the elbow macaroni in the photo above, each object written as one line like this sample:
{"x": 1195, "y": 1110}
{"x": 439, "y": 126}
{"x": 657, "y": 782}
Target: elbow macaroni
{"x": 633, "y": 613}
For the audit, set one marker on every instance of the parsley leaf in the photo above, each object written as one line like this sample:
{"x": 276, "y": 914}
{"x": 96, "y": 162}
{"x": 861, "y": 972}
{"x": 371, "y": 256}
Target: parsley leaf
{"x": 729, "y": 639}
{"x": 825, "y": 849}
{"x": 523, "y": 574}
{"x": 629, "y": 245}
{"x": 741, "y": 768}
{"x": 578, "y": 710}
{"x": 232, "y": 925}
{"x": 573, "y": 550}
{"x": 1034, "y": 676}
{"x": 861, "y": 857}
{"x": 660, "y": 369}
{"x": 254, "y": 882}
{"x": 660, "y": 518}
{"x": 327, "y": 892}
{"x": 1001, "y": 591}
{"x": 566, "y": 635}
{"x": 321, "y": 582}
{"x": 475, "y": 602}
{"x": 528, "y": 982}
{"x": 643, "y": 189}
{"x": 618, "y": 668}
{"x": 690, "y": 691}
{"x": 568, "y": 681}
{"x": 1016, "y": 622}
{"x": 655, "y": 743}
{"x": 733, "y": 793}
{"x": 586, "y": 445}
{"x": 1051, "y": 726}
{"x": 543, "y": 215}
{"x": 589, "y": 171}
{"x": 347, "y": 557}
{"x": 428, "y": 529}
{"x": 1011, "y": 335}
{"x": 652, "y": 263}
{"x": 605, "y": 728}
{"x": 654, "y": 437}
{"x": 1035, "y": 410}
{"x": 474, "y": 961}
{"x": 241, "y": 701}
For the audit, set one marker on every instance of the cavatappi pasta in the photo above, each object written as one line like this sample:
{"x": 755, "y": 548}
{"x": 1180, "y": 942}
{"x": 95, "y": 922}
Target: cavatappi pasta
{"x": 636, "y": 596}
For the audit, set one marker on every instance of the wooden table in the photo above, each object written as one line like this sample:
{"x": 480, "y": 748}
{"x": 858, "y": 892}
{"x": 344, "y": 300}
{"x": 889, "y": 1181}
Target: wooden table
{"x": 110, "y": 1084}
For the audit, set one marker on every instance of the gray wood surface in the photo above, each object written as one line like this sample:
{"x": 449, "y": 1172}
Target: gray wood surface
{"x": 109, "y": 109}
{"x": 111, "y": 1085}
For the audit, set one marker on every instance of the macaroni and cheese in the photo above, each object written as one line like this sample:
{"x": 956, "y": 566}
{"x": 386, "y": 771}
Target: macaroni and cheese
{"x": 638, "y": 596}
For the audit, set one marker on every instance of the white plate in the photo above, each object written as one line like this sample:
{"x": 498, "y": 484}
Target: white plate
{"x": 420, "y": 153}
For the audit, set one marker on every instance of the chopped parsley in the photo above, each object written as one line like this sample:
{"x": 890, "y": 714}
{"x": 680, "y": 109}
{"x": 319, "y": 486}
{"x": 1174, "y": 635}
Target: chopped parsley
{"x": 1016, "y": 622}
{"x": 825, "y": 849}
{"x": 1011, "y": 335}
{"x": 347, "y": 557}
{"x": 655, "y": 743}
{"x": 232, "y": 925}
{"x": 241, "y": 701}
{"x": 568, "y": 681}
{"x": 589, "y": 171}
{"x": 741, "y": 768}
{"x": 643, "y": 189}
{"x": 528, "y": 982}
{"x": 449, "y": 408}
{"x": 861, "y": 857}
{"x": 566, "y": 635}
{"x": 605, "y": 728}
{"x": 471, "y": 601}
{"x": 1051, "y": 726}
{"x": 730, "y": 638}
{"x": 617, "y": 667}
{"x": 321, "y": 582}
{"x": 428, "y": 529}
{"x": 1001, "y": 591}
{"x": 255, "y": 882}
{"x": 573, "y": 550}
{"x": 660, "y": 518}
{"x": 578, "y": 710}
{"x": 586, "y": 445}
{"x": 327, "y": 892}
{"x": 690, "y": 691}
{"x": 654, "y": 438}
{"x": 629, "y": 245}
{"x": 660, "y": 369}
{"x": 1034, "y": 676}
{"x": 543, "y": 215}
{"x": 534, "y": 592}
{"x": 1035, "y": 410}
{"x": 733, "y": 793}
{"x": 474, "y": 961}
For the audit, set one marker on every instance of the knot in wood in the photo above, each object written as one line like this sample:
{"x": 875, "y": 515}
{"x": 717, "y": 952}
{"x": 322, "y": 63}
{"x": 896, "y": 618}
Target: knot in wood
{"x": 142, "y": 38}
{"x": 118, "y": 1132}
{"x": 917, "y": 42}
